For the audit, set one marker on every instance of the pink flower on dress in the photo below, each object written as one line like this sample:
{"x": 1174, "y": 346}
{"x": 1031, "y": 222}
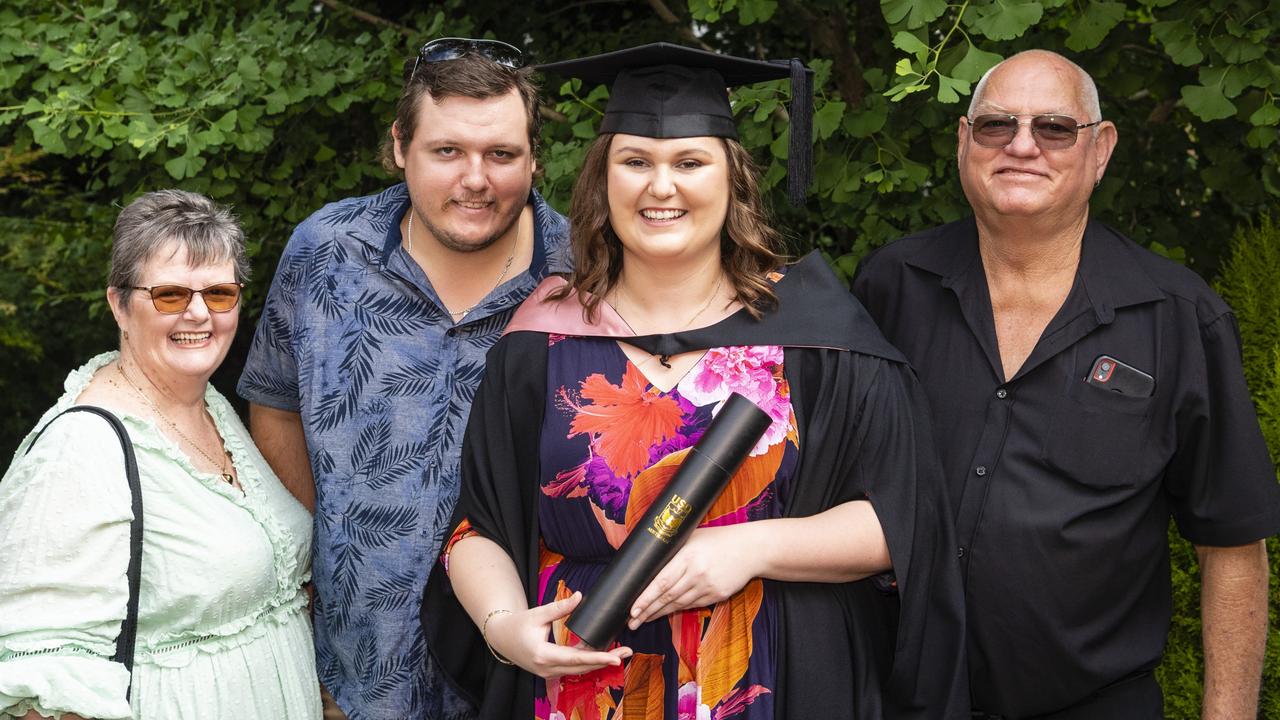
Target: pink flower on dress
{"x": 689, "y": 703}
{"x": 752, "y": 371}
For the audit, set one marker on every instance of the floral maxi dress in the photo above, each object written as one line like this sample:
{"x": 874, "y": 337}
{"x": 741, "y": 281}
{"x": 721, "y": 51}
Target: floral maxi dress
{"x": 610, "y": 442}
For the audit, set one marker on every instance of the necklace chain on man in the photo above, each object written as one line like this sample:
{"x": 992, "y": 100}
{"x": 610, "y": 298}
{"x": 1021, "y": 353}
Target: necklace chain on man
{"x": 222, "y": 466}
{"x": 506, "y": 267}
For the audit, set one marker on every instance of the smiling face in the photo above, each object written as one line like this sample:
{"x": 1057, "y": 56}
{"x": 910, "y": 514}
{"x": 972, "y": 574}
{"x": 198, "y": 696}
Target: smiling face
{"x": 184, "y": 347}
{"x": 469, "y": 168}
{"x": 668, "y": 198}
{"x": 1021, "y": 179}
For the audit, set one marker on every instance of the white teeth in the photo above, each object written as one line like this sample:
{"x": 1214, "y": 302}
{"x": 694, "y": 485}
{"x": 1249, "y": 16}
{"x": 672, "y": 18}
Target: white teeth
{"x": 473, "y": 205}
{"x": 662, "y": 214}
{"x": 182, "y": 338}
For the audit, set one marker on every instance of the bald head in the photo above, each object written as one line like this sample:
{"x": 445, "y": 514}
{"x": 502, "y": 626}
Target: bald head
{"x": 1085, "y": 89}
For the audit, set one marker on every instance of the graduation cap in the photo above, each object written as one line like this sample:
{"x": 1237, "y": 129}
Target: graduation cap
{"x": 663, "y": 90}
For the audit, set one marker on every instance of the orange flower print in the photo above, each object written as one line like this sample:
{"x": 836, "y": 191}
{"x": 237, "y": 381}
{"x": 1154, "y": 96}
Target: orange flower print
{"x": 625, "y": 420}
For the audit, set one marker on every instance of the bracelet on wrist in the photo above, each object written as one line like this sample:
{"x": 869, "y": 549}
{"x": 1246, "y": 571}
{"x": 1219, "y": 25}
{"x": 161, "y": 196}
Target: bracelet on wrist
{"x": 484, "y": 634}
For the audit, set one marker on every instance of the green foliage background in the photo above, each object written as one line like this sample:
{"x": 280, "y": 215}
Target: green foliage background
{"x": 277, "y": 107}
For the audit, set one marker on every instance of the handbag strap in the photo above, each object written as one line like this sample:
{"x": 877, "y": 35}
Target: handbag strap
{"x": 129, "y": 630}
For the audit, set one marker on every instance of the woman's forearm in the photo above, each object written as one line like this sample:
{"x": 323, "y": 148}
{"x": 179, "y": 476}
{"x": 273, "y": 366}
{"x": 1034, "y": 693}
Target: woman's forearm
{"x": 841, "y": 544}
{"x": 484, "y": 578}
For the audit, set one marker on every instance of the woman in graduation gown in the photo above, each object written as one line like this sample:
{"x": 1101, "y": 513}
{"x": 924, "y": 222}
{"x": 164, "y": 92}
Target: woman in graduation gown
{"x": 823, "y": 582}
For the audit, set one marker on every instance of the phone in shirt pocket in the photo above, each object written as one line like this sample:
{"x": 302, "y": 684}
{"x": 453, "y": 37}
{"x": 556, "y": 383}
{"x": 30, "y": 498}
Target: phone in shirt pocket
{"x": 1108, "y": 373}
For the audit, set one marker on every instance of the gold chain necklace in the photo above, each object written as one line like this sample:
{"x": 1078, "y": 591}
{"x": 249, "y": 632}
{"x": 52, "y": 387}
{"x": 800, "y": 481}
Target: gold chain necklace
{"x": 665, "y": 360}
{"x": 459, "y": 314}
{"x": 222, "y": 466}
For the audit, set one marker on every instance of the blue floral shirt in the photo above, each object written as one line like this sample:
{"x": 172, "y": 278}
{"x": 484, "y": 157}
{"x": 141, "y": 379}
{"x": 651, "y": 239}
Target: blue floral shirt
{"x": 354, "y": 338}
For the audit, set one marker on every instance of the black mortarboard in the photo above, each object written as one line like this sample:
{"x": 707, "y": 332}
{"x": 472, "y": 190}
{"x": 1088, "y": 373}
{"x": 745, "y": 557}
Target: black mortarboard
{"x": 670, "y": 91}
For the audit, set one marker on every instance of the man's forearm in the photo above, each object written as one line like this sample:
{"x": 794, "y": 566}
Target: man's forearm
{"x": 1233, "y": 608}
{"x": 279, "y": 436}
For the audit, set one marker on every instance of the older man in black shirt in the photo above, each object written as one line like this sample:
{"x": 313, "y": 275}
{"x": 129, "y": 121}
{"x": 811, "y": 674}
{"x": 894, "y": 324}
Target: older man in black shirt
{"x": 1083, "y": 390}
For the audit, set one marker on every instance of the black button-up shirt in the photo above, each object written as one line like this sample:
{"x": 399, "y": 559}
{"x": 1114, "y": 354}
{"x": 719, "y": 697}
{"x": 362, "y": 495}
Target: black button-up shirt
{"x": 1063, "y": 490}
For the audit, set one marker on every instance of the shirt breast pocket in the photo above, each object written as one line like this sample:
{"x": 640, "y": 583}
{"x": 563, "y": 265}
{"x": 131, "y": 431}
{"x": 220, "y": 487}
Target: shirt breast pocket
{"x": 1097, "y": 436}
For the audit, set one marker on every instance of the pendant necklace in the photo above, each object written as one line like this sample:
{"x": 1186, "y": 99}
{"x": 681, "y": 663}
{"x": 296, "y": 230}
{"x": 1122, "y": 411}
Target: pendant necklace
{"x": 222, "y": 466}
{"x": 459, "y": 314}
{"x": 665, "y": 360}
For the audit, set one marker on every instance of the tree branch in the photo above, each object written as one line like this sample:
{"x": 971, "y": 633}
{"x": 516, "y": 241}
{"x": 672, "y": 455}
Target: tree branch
{"x": 665, "y": 15}
{"x": 551, "y": 114}
{"x": 829, "y": 32}
{"x": 370, "y": 17}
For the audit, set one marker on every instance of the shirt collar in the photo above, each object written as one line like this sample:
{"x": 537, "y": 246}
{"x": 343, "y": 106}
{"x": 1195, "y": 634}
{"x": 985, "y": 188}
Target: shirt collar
{"x": 1109, "y": 273}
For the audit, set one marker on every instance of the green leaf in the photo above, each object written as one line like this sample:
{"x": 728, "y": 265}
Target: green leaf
{"x": 916, "y": 13}
{"x": 584, "y": 129}
{"x": 277, "y": 101}
{"x": 1232, "y": 79}
{"x": 950, "y": 89}
{"x": 1006, "y": 21}
{"x": 763, "y": 109}
{"x": 249, "y": 69}
{"x": 340, "y": 103}
{"x": 46, "y": 137}
{"x": 184, "y": 166}
{"x": 827, "y": 118}
{"x": 1236, "y": 50}
{"x": 755, "y": 11}
{"x": 909, "y": 43}
{"x": 703, "y": 10}
{"x": 869, "y": 120}
{"x": 1089, "y": 28}
{"x": 905, "y": 88}
{"x": 226, "y": 123}
{"x": 1179, "y": 40}
{"x": 1207, "y": 102}
{"x": 974, "y": 64}
{"x": 781, "y": 146}
{"x": 903, "y": 67}
{"x": 1261, "y": 137}
{"x": 324, "y": 154}
{"x": 1268, "y": 114}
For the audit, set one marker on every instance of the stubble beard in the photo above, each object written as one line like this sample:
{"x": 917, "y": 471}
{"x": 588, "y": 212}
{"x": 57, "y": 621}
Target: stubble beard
{"x": 455, "y": 243}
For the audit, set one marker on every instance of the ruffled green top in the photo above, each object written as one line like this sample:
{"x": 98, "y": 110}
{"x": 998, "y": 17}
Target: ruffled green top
{"x": 223, "y": 630}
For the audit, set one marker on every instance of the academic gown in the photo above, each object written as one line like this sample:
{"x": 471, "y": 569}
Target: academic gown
{"x": 890, "y": 646}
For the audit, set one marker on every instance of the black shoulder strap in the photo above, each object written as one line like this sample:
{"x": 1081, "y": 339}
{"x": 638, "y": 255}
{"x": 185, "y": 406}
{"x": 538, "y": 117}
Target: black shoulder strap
{"x": 129, "y": 630}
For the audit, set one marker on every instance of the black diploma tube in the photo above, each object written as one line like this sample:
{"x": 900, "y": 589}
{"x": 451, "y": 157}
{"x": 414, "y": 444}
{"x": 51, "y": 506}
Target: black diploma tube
{"x": 666, "y": 525}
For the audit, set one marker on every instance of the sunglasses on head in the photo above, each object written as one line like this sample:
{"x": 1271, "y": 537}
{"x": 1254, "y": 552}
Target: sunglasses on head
{"x": 1051, "y": 132}
{"x": 173, "y": 299}
{"x": 452, "y": 48}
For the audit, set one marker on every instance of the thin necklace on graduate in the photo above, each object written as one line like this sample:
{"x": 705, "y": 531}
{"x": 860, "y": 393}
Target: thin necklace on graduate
{"x": 665, "y": 360}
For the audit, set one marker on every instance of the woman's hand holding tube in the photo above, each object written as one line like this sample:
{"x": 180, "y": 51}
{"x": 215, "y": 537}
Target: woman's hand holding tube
{"x": 842, "y": 544}
{"x": 522, "y": 637}
{"x": 488, "y": 586}
{"x": 715, "y": 563}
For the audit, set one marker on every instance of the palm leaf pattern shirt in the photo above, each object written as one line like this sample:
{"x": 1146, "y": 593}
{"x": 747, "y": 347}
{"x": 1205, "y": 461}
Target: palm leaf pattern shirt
{"x": 354, "y": 339}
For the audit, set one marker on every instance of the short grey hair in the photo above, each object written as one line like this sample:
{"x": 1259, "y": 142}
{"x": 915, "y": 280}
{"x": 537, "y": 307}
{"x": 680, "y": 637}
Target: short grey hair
{"x": 1088, "y": 90}
{"x": 163, "y": 218}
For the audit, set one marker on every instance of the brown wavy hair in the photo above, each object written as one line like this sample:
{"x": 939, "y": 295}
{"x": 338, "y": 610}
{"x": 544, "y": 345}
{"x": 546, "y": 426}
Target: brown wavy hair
{"x": 749, "y": 246}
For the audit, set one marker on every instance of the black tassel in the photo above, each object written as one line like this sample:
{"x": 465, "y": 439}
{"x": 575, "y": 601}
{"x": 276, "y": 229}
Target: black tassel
{"x": 664, "y": 361}
{"x": 800, "y": 153}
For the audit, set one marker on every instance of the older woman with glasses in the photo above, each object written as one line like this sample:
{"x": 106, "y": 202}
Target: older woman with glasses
{"x": 218, "y": 607}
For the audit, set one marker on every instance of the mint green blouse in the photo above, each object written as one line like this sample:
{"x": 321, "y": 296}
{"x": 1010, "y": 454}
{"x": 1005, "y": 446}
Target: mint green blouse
{"x": 223, "y": 630}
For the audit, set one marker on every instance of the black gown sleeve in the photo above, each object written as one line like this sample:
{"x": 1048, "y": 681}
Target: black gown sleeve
{"x": 865, "y": 435}
{"x": 499, "y": 481}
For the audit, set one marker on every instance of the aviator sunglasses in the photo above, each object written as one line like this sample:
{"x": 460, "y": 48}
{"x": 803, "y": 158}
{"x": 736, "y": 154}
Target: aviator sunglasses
{"x": 173, "y": 299}
{"x": 1051, "y": 132}
{"x": 452, "y": 48}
